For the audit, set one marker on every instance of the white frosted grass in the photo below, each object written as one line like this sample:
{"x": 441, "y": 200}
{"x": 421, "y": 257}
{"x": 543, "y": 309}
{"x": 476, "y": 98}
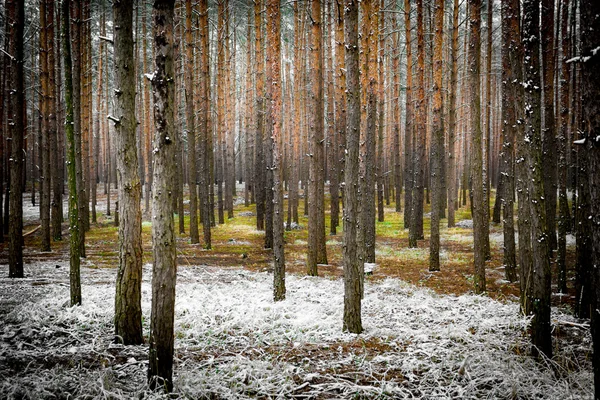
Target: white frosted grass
{"x": 232, "y": 341}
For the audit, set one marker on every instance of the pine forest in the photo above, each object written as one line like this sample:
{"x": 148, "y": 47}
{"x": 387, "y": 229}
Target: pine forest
{"x": 320, "y": 199}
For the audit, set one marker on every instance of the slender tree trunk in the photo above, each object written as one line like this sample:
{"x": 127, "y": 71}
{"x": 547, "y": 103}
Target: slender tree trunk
{"x": 316, "y": 212}
{"x": 206, "y": 178}
{"x": 352, "y": 280}
{"x": 452, "y": 113}
{"x": 15, "y": 21}
{"x": 380, "y": 163}
{"x": 332, "y": 132}
{"x": 563, "y": 148}
{"x": 477, "y": 148}
{"x": 540, "y": 324}
{"x": 260, "y": 166}
{"x": 45, "y": 111}
{"x": 74, "y": 223}
{"x": 128, "y": 298}
{"x": 408, "y": 125}
{"x": 437, "y": 140}
{"x": 190, "y": 123}
{"x": 274, "y": 66}
{"x": 164, "y": 270}
{"x": 510, "y": 66}
{"x": 396, "y": 111}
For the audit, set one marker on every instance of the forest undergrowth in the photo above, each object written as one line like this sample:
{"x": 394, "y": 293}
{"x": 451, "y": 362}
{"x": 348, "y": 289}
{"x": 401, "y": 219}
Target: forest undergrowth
{"x": 426, "y": 335}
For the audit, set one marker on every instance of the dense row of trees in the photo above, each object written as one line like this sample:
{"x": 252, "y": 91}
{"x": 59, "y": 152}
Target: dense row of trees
{"x": 440, "y": 99}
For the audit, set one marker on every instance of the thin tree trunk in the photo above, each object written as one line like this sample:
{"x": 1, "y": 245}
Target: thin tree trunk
{"x": 452, "y": 113}
{"x": 259, "y": 160}
{"x": 408, "y": 123}
{"x": 46, "y": 133}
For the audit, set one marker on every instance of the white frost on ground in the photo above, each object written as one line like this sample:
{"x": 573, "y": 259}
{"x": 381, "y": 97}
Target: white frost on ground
{"x": 232, "y": 341}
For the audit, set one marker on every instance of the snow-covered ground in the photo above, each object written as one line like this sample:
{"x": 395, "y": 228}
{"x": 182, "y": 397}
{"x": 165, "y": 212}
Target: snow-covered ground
{"x": 232, "y": 341}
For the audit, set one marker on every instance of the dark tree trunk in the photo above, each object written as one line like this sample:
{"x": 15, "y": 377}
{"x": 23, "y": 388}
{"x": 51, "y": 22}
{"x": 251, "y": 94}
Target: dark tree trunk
{"x": 408, "y": 126}
{"x": 479, "y": 214}
{"x": 164, "y": 270}
{"x": 74, "y": 223}
{"x": 259, "y": 159}
{"x": 15, "y": 21}
{"x": 452, "y": 113}
{"x": 540, "y": 324}
{"x": 128, "y": 298}
{"x": 206, "y": 179}
{"x": 352, "y": 287}
{"x": 510, "y": 67}
{"x": 46, "y": 134}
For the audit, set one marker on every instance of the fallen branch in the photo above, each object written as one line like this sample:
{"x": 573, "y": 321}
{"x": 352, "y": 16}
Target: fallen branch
{"x": 32, "y": 231}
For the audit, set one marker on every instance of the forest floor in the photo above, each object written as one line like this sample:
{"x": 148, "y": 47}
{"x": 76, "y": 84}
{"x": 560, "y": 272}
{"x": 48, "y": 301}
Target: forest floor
{"x": 426, "y": 335}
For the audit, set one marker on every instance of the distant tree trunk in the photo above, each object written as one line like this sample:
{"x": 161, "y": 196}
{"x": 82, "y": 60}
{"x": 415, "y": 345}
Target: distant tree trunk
{"x": 437, "y": 140}
{"x": 259, "y": 160}
{"x": 396, "y": 111}
{"x": 316, "y": 212}
{"x": 549, "y": 142}
{"x": 352, "y": 271}
{"x": 249, "y": 150}
{"x": 147, "y": 117}
{"x": 45, "y": 111}
{"x": 540, "y": 324}
{"x": 76, "y": 19}
{"x": 590, "y": 84}
{"x": 128, "y": 298}
{"x": 510, "y": 67}
{"x": 477, "y": 149}
{"x": 274, "y": 66}
{"x": 408, "y": 125}
{"x": 206, "y": 178}
{"x": 164, "y": 270}
{"x": 228, "y": 137}
{"x": 15, "y": 21}
{"x": 452, "y": 112}
{"x": 221, "y": 110}
{"x": 332, "y": 133}
{"x": 380, "y": 162}
{"x": 190, "y": 123}
{"x": 564, "y": 219}
{"x": 74, "y": 223}
{"x": 488, "y": 130}
{"x": 418, "y": 157}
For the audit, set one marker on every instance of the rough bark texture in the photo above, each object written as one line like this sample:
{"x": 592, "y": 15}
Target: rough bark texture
{"x": 352, "y": 288}
{"x": 590, "y": 84}
{"x": 510, "y": 65}
{"x": 549, "y": 142}
{"x": 477, "y": 149}
{"x": 437, "y": 140}
{"x": 452, "y": 113}
{"x": 259, "y": 160}
{"x": 74, "y": 225}
{"x": 206, "y": 178}
{"x": 564, "y": 218}
{"x": 164, "y": 269}
{"x": 190, "y": 123}
{"x": 540, "y": 324}
{"x": 128, "y": 298}
{"x": 55, "y": 156}
{"x": 408, "y": 126}
{"x": 396, "y": 112}
{"x": 316, "y": 210}
{"x": 418, "y": 156}
{"x": 274, "y": 65}
{"x": 45, "y": 133}
{"x": 15, "y": 21}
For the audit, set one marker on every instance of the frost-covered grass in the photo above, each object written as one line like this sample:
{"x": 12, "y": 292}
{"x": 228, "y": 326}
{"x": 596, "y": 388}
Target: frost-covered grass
{"x": 232, "y": 341}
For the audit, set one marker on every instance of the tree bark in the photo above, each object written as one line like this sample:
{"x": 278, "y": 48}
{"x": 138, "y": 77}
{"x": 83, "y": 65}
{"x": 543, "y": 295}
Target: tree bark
{"x": 408, "y": 125}
{"x": 164, "y": 269}
{"x": 15, "y": 21}
{"x": 128, "y": 298}
{"x": 259, "y": 160}
{"x": 45, "y": 186}
{"x": 352, "y": 286}
{"x": 452, "y": 113}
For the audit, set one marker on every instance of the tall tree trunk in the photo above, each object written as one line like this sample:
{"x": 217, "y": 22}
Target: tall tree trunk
{"x": 590, "y": 84}
{"x": 274, "y": 66}
{"x": 437, "y": 140}
{"x": 510, "y": 67}
{"x": 128, "y": 298}
{"x": 563, "y": 148}
{"x": 380, "y": 163}
{"x": 15, "y": 21}
{"x": 316, "y": 213}
{"x": 408, "y": 125}
{"x": 206, "y": 178}
{"x": 190, "y": 123}
{"x": 452, "y": 113}
{"x": 74, "y": 223}
{"x": 55, "y": 156}
{"x": 549, "y": 142}
{"x": 477, "y": 147}
{"x": 332, "y": 133}
{"x": 540, "y": 324}
{"x": 249, "y": 150}
{"x": 395, "y": 108}
{"x": 488, "y": 130}
{"x": 416, "y": 225}
{"x": 352, "y": 272}
{"x": 164, "y": 270}
{"x": 259, "y": 160}
{"x": 45, "y": 111}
